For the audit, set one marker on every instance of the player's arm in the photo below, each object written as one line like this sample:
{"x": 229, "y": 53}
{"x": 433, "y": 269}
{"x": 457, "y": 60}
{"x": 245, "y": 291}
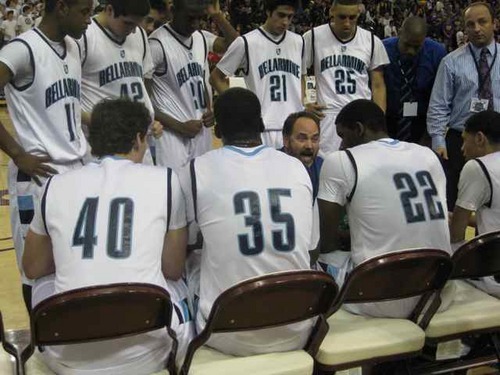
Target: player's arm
{"x": 174, "y": 253}
{"x": 219, "y": 80}
{"x": 29, "y": 164}
{"x": 38, "y": 259}
{"x": 230, "y": 34}
{"x": 379, "y": 92}
{"x": 458, "y": 225}
{"x": 188, "y": 129}
{"x": 329, "y": 219}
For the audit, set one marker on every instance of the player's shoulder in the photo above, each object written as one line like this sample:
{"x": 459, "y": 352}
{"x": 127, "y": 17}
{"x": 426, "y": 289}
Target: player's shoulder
{"x": 160, "y": 32}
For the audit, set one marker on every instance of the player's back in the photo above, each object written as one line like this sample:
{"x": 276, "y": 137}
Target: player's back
{"x": 254, "y": 209}
{"x": 110, "y": 229}
{"x": 111, "y": 222}
{"x": 399, "y": 201}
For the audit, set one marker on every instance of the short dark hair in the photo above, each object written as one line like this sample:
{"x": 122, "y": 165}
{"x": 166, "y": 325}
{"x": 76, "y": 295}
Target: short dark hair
{"x": 487, "y": 122}
{"x": 115, "y": 124}
{"x": 180, "y": 4}
{"x": 50, "y": 5}
{"x": 365, "y": 112}
{"x": 292, "y": 119}
{"x": 158, "y": 5}
{"x": 271, "y": 5}
{"x": 125, "y": 8}
{"x": 478, "y": 3}
{"x": 238, "y": 114}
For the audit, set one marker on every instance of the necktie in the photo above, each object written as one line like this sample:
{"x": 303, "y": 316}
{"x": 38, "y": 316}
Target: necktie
{"x": 484, "y": 74}
{"x": 408, "y": 80}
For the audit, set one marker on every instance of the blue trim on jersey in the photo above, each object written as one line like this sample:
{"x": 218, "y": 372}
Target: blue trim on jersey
{"x": 389, "y": 141}
{"x": 245, "y": 153}
{"x": 25, "y": 202}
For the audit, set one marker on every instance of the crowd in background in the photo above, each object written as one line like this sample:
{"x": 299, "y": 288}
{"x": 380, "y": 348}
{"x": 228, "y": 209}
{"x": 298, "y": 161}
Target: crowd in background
{"x": 384, "y": 18}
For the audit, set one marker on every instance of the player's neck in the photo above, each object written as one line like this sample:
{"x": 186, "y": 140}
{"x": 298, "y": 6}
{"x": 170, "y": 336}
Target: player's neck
{"x": 244, "y": 143}
{"x": 375, "y": 136}
{"x": 50, "y": 28}
{"x": 268, "y": 30}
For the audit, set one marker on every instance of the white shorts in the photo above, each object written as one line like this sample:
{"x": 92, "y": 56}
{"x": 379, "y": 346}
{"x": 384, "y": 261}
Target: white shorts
{"x": 488, "y": 285}
{"x": 329, "y": 140}
{"x": 272, "y": 138}
{"x": 174, "y": 151}
{"x": 141, "y": 354}
{"x": 24, "y": 194}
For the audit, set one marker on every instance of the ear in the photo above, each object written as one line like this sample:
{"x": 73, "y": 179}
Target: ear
{"x": 108, "y": 9}
{"x": 359, "y": 129}
{"x": 480, "y": 139}
{"x": 62, "y": 7}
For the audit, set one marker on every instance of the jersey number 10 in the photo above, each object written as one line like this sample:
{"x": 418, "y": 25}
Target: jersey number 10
{"x": 119, "y": 236}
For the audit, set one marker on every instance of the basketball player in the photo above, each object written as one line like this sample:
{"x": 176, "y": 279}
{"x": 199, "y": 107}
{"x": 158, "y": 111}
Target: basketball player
{"x": 257, "y": 222}
{"x": 116, "y": 55}
{"x": 479, "y": 185}
{"x": 40, "y": 71}
{"x": 179, "y": 92}
{"x": 113, "y": 229}
{"x": 394, "y": 193}
{"x": 347, "y": 62}
{"x": 271, "y": 58}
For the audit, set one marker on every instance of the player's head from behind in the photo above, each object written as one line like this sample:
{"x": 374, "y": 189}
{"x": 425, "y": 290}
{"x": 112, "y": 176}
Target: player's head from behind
{"x": 238, "y": 118}
{"x": 412, "y": 36}
{"x": 187, "y": 15}
{"x": 344, "y": 15}
{"x": 301, "y": 137}
{"x": 479, "y": 21}
{"x": 118, "y": 128}
{"x": 279, "y": 15}
{"x": 122, "y": 17}
{"x": 359, "y": 122}
{"x": 481, "y": 135}
{"x": 68, "y": 17}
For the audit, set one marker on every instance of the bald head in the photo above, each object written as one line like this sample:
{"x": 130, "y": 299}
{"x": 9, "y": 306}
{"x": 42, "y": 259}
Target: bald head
{"x": 412, "y": 36}
{"x": 414, "y": 25}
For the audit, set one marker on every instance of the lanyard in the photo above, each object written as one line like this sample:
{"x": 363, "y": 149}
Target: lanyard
{"x": 481, "y": 82}
{"x": 416, "y": 64}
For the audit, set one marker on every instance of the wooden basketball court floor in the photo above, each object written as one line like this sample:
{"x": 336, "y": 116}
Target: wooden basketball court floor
{"x": 11, "y": 300}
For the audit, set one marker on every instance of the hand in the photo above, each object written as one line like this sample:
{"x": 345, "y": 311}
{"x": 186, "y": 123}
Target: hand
{"x": 34, "y": 166}
{"x": 190, "y": 128}
{"x": 157, "y": 129}
{"x": 208, "y": 119}
{"x": 316, "y": 110}
{"x": 213, "y": 8}
{"x": 442, "y": 152}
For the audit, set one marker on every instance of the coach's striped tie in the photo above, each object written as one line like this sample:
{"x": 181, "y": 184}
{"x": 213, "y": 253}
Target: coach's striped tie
{"x": 404, "y": 124}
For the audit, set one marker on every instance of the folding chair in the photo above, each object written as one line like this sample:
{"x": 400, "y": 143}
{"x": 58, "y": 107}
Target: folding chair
{"x": 472, "y": 311}
{"x": 355, "y": 340}
{"x": 117, "y": 310}
{"x": 264, "y": 302}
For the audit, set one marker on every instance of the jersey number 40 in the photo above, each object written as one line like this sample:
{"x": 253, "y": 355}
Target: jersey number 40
{"x": 119, "y": 236}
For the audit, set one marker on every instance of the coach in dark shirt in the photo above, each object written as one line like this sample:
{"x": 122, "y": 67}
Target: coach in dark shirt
{"x": 414, "y": 61}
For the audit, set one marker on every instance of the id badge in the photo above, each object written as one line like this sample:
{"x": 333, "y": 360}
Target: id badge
{"x": 410, "y": 109}
{"x": 478, "y": 105}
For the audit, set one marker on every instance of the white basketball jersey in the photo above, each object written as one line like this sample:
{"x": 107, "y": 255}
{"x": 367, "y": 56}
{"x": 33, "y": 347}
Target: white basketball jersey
{"x": 111, "y": 69}
{"x": 111, "y": 230}
{"x": 254, "y": 209}
{"x": 488, "y": 216}
{"x": 180, "y": 90}
{"x": 274, "y": 73}
{"x": 400, "y": 206}
{"x": 341, "y": 68}
{"x": 46, "y": 113}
